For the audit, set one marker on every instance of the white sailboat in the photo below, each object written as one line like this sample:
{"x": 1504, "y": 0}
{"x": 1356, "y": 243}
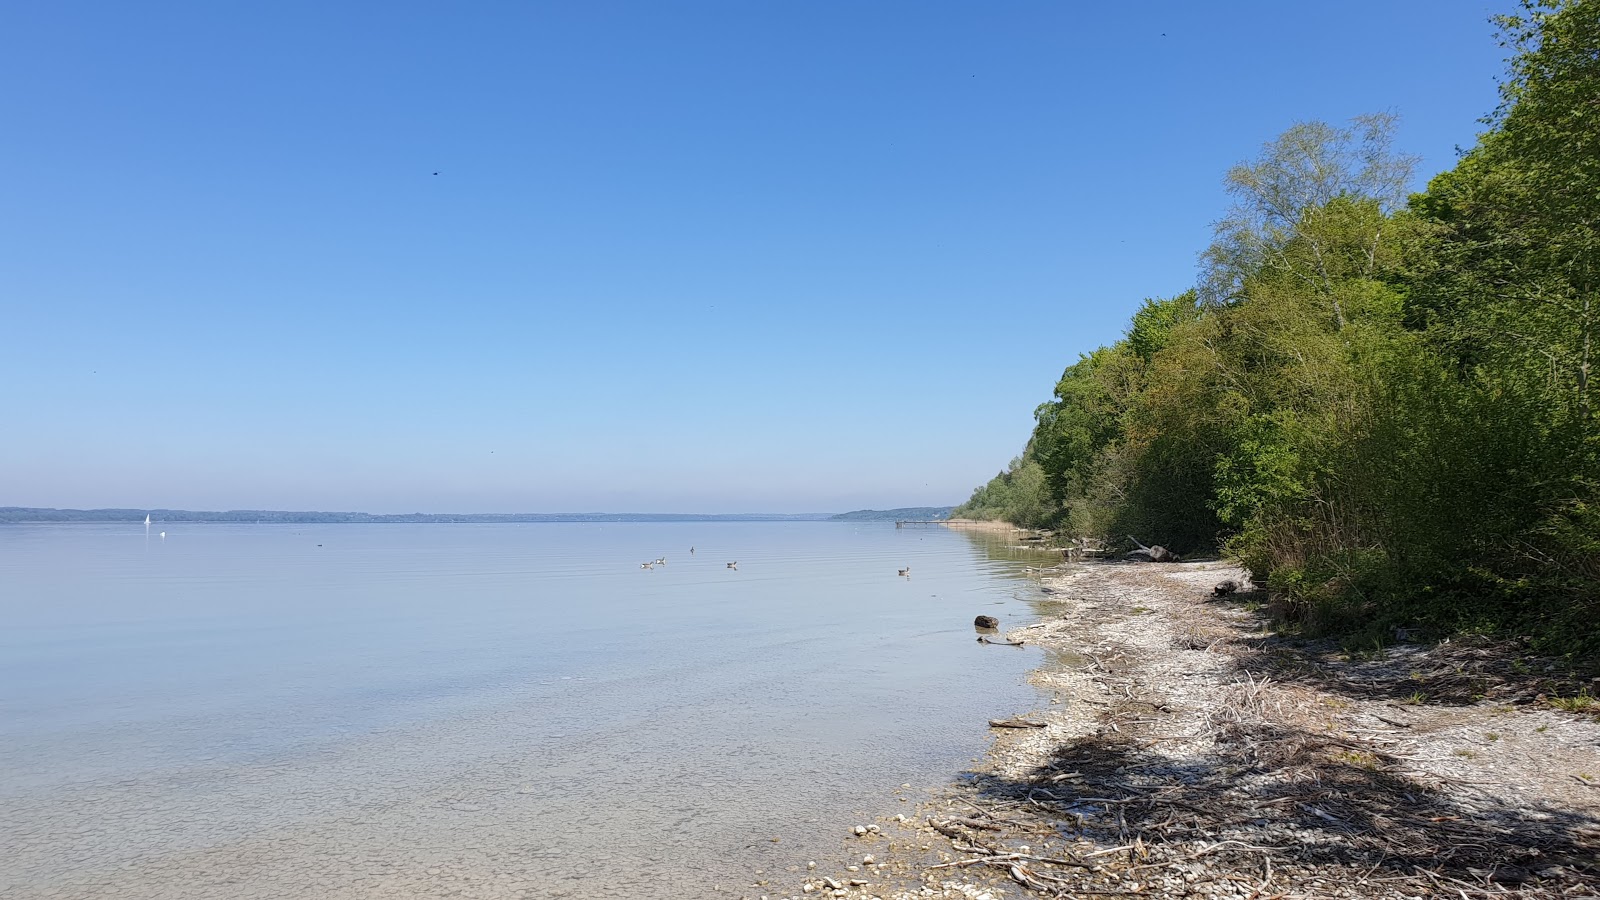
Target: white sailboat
{"x": 147, "y": 520}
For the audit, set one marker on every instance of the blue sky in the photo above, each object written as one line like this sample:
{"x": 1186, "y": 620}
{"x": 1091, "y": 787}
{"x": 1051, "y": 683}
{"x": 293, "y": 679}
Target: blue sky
{"x": 699, "y": 256}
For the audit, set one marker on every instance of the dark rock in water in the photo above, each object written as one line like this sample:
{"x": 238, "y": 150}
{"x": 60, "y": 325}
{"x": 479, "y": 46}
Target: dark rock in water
{"x": 986, "y": 622}
{"x": 1225, "y": 588}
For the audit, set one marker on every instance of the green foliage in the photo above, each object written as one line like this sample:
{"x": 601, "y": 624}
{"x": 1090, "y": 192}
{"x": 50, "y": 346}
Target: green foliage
{"x": 1016, "y": 495}
{"x": 1075, "y": 428}
{"x": 1383, "y": 409}
{"x": 1156, "y": 322}
{"x": 1118, "y": 449}
{"x": 1311, "y": 207}
{"x": 1514, "y": 289}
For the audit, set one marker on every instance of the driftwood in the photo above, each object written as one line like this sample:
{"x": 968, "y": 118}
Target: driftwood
{"x": 1015, "y": 723}
{"x": 1156, "y": 553}
{"x": 984, "y": 639}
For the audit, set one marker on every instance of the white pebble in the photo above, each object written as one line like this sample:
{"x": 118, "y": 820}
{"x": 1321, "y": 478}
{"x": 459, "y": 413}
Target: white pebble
{"x": 869, "y": 859}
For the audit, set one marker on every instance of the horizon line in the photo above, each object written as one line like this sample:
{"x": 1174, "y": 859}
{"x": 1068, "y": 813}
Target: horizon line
{"x": 135, "y": 512}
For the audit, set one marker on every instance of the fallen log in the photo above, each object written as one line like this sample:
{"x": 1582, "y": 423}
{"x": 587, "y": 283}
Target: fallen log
{"x": 1015, "y": 722}
{"x": 1156, "y": 553}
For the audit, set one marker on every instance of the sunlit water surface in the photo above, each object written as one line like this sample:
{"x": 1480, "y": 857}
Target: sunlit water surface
{"x": 479, "y": 711}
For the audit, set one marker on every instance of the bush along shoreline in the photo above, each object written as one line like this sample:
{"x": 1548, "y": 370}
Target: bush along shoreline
{"x": 1379, "y": 403}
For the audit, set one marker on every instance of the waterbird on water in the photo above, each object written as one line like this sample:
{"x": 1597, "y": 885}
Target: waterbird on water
{"x": 647, "y": 565}
{"x": 734, "y": 565}
{"x": 906, "y": 571}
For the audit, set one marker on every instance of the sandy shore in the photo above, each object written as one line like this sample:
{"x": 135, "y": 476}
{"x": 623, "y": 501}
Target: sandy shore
{"x": 983, "y": 525}
{"x": 1182, "y": 749}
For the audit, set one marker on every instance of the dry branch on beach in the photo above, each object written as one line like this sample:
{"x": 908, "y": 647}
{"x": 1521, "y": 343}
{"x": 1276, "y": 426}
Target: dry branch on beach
{"x": 1155, "y": 553}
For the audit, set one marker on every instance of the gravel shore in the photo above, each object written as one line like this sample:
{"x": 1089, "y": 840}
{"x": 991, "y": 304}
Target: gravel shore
{"x": 1184, "y": 749}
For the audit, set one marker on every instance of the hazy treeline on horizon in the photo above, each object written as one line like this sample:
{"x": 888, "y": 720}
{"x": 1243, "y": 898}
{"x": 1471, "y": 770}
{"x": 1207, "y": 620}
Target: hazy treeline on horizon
{"x": 43, "y": 515}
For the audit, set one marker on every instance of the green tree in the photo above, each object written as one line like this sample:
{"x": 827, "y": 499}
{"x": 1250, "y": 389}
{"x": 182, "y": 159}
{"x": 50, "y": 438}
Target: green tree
{"x": 1383, "y": 409}
{"x": 1516, "y": 284}
{"x": 1313, "y": 207}
{"x": 1016, "y": 495}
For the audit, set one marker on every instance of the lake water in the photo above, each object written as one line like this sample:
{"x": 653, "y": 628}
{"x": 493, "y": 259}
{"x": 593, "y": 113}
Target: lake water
{"x": 479, "y": 711}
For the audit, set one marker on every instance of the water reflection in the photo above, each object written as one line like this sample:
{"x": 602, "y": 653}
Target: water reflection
{"x": 1021, "y": 555}
{"x": 1022, "y": 548}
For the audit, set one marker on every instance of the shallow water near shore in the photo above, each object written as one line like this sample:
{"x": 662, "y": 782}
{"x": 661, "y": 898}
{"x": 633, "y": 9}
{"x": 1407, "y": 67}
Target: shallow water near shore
{"x": 480, "y": 710}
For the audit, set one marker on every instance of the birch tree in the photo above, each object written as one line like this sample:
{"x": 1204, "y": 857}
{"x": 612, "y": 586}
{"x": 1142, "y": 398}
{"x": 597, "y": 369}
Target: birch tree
{"x": 1313, "y": 206}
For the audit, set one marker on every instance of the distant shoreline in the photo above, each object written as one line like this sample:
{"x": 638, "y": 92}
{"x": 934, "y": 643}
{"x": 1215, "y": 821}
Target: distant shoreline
{"x": 27, "y": 515}
{"x": 45, "y": 516}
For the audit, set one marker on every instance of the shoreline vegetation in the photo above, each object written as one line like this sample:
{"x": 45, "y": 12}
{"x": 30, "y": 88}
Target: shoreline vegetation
{"x": 1375, "y": 409}
{"x": 1379, "y": 403}
{"x": 997, "y": 525}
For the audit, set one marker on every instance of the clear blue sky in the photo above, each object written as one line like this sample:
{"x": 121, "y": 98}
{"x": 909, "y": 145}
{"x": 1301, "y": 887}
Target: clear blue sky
{"x": 698, "y": 256}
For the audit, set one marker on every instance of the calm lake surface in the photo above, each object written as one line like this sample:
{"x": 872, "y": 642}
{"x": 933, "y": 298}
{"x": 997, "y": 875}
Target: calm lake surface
{"x": 480, "y": 710}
